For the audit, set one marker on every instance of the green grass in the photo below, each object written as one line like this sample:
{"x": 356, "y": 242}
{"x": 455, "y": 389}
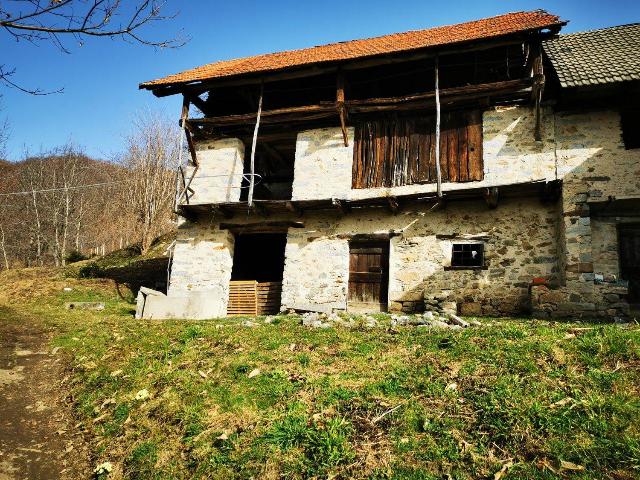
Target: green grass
{"x": 336, "y": 403}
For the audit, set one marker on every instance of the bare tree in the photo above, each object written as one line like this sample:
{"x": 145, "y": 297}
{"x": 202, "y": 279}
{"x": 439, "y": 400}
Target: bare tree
{"x": 51, "y": 21}
{"x": 151, "y": 161}
{"x": 4, "y": 135}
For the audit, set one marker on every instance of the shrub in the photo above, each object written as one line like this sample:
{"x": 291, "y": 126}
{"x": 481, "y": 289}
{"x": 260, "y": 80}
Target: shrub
{"x": 75, "y": 256}
{"x": 91, "y": 270}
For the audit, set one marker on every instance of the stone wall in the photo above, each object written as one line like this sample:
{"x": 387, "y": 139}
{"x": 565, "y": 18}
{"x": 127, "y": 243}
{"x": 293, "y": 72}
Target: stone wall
{"x": 520, "y": 244}
{"x": 322, "y": 167}
{"x": 594, "y": 165}
{"x": 316, "y": 269}
{"x": 202, "y": 262}
{"x": 219, "y": 175}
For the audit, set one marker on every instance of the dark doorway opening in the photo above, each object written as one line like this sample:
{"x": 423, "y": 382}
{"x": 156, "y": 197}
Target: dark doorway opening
{"x": 256, "y": 276}
{"x": 274, "y": 163}
{"x": 629, "y": 246}
{"x": 368, "y": 275}
{"x": 259, "y": 256}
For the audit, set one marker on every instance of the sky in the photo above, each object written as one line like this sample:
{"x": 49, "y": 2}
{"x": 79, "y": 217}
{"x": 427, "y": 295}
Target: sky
{"x": 100, "y": 77}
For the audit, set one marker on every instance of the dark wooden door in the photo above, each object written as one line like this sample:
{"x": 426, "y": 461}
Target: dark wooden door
{"x": 629, "y": 243}
{"x": 368, "y": 275}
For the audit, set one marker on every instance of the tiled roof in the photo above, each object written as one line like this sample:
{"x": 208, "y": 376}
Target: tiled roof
{"x": 610, "y": 55}
{"x": 398, "y": 42}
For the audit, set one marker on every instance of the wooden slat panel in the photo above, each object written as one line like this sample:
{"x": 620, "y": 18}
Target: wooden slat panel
{"x": 242, "y": 297}
{"x": 474, "y": 136}
{"x": 463, "y": 154}
{"x": 452, "y": 149}
{"x": 269, "y": 297}
{"x": 401, "y": 151}
{"x": 444, "y": 148}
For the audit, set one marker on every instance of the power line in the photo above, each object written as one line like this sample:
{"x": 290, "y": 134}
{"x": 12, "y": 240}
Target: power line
{"x": 77, "y": 187}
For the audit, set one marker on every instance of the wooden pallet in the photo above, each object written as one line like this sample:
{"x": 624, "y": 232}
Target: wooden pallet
{"x": 251, "y": 298}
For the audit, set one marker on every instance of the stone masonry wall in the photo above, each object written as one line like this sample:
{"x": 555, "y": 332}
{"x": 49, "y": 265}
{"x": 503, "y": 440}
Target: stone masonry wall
{"x": 202, "y": 262}
{"x": 520, "y": 244}
{"x": 219, "y": 175}
{"x": 594, "y": 165}
{"x": 322, "y": 167}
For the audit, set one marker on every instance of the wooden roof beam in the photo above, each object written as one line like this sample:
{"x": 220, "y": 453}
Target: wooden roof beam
{"x": 311, "y": 112}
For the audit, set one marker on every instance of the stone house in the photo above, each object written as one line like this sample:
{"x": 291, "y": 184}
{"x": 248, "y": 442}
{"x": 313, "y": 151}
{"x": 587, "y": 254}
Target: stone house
{"x": 492, "y": 163}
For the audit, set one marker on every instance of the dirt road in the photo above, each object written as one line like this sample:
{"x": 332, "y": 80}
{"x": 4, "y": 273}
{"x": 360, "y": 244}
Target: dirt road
{"x": 38, "y": 438}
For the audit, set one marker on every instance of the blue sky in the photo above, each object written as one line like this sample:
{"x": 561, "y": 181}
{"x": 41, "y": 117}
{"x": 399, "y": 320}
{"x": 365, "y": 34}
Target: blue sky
{"x": 100, "y": 78}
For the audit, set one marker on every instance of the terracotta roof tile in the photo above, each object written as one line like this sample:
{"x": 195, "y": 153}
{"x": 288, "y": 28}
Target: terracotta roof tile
{"x": 397, "y": 42}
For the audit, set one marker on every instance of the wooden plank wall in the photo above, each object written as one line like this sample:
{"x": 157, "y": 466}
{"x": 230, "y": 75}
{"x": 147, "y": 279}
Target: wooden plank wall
{"x": 251, "y": 298}
{"x": 391, "y": 152}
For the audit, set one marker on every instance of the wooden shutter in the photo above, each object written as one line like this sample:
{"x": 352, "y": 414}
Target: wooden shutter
{"x": 392, "y": 151}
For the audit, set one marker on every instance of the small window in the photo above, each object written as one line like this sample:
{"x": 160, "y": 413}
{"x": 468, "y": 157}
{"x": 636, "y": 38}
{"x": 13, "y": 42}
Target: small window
{"x": 630, "y": 123}
{"x": 467, "y": 255}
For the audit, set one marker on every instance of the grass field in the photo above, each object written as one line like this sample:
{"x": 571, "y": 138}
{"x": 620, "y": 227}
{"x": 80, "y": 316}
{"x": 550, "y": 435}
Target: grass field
{"x": 515, "y": 398}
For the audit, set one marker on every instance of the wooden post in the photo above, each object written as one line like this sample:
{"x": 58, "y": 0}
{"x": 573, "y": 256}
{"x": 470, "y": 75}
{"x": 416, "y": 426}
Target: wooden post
{"x": 537, "y": 73}
{"x": 437, "y": 159}
{"x": 184, "y": 123}
{"x": 253, "y": 147}
{"x": 342, "y": 109}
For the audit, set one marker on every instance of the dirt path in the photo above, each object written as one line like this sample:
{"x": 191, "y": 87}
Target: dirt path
{"x": 38, "y": 439}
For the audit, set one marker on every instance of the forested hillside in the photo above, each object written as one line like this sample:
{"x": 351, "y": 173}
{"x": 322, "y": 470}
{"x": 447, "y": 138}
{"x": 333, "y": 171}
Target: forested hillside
{"x": 61, "y": 205}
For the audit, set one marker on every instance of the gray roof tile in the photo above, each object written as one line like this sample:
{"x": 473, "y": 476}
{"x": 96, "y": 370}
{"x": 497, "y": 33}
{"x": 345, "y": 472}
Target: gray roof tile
{"x": 609, "y": 55}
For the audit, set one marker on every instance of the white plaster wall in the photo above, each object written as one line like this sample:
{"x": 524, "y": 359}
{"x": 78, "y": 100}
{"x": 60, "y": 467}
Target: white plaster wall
{"x": 219, "y": 175}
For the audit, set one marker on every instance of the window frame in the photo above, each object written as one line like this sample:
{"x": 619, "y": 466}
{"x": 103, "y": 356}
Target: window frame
{"x": 452, "y": 266}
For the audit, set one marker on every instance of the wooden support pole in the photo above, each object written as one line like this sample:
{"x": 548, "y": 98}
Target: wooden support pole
{"x": 491, "y": 197}
{"x": 253, "y": 148}
{"x": 537, "y": 74}
{"x": 342, "y": 207}
{"x": 394, "y": 206}
{"x": 437, "y": 159}
{"x": 293, "y": 207}
{"x": 342, "y": 109}
{"x": 184, "y": 123}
